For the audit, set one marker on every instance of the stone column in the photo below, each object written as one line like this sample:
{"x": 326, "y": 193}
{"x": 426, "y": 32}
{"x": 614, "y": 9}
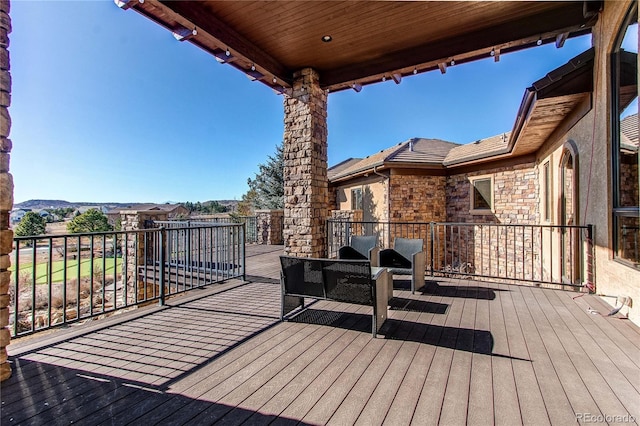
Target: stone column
{"x": 269, "y": 226}
{"x": 305, "y": 166}
{"x": 134, "y": 255}
{"x": 6, "y": 187}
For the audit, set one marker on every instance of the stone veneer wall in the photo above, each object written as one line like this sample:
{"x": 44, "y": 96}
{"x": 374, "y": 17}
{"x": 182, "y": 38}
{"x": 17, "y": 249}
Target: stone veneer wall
{"x": 6, "y": 187}
{"x": 269, "y": 225}
{"x": 496, "y": 250}
{"x": 305, "y": 167}
{"x": 416, "y": 198}
{"x": 134, "y": 250}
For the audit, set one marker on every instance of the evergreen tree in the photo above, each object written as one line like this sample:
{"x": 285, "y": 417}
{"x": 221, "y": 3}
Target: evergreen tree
{"x": 268, "y": 184}
{"x": 92, "y": 220}
{"x": 31, "y": 224}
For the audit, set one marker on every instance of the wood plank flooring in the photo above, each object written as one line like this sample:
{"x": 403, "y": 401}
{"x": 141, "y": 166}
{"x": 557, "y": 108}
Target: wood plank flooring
{"x": 457, "y": 352}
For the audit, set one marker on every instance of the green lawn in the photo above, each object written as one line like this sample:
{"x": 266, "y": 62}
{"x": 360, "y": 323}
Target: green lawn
{"x": 57, "y": 269}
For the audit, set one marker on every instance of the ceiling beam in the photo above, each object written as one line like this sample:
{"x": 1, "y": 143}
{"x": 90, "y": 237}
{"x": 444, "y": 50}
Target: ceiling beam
{"x": 514, "y": 35}
{"x": 205, "y": 21}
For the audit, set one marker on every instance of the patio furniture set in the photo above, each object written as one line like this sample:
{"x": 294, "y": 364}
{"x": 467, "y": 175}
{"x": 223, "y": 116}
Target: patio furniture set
{"x": 362, "y": 274}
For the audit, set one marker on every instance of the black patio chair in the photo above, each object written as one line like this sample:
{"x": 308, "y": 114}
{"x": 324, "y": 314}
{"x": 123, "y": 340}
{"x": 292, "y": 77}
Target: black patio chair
{"x": 361, "y": 247}
{"x": 407, "y": 257}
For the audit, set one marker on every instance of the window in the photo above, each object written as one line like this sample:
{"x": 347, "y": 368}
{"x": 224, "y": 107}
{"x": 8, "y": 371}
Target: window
{"x": 356, "y": 199}
{"x": 481, "y": 194}
{"x": 624, "y": 142}
{"x": 546, "y": 181}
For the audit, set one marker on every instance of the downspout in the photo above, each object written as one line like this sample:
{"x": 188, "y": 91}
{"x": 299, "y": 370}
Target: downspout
{"x": 388, "y": 192}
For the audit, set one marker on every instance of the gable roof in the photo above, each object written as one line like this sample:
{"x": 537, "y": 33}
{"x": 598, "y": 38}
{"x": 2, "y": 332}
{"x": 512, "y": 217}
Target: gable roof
{"x": 482, "y": 148}
{"x": 416, "y": 152}
{"x": 340, "y": 167}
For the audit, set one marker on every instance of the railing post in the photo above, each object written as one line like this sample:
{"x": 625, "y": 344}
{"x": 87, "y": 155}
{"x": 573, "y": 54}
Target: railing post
{"x": 431, "y": 243}
{"x": 163, "y": 234}
{"x": 590, "y": 258}
{"x": 243, "y": 257}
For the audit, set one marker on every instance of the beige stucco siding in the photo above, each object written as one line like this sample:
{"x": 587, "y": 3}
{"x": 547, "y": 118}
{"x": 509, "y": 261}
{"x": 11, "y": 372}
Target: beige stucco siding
{"x": 592, "y": 135}
{"x": 374, "y": 198}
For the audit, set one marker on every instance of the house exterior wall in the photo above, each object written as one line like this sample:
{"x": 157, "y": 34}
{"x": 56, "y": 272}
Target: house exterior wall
{"x": 490, "y": 250}
{"x": 374, "y": 198}
{"x": 515, "y": 191}
{"x": 417, "y": 198}
{"x": 592, "y": 137}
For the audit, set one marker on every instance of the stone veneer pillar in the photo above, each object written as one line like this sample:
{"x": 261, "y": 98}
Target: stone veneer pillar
{"x": 305, "y": 166}
{"x": 269, "y": 226}
{"x": 6, "y": 188}
{"x": 133, "y": 255}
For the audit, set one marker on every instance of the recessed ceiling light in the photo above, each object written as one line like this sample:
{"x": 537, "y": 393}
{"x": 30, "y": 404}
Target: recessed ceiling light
{"x": 327, "y": 38}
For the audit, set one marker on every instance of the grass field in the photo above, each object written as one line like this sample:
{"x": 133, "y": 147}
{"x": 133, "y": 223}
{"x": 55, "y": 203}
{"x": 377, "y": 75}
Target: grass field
{"x": 57, "y": 269}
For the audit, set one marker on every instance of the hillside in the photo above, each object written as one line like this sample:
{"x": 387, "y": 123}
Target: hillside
{"x": 58, "y": 204}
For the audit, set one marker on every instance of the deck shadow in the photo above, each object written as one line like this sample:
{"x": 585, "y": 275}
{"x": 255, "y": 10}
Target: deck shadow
{"x": 83, "y": 397}
{"x": 433, "y": 288}
{"x": 463, "y": 339}
{"x": 414, "y": 305}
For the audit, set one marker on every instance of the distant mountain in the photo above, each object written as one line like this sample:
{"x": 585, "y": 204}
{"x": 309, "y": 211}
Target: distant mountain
{"x": 59, "y": 204}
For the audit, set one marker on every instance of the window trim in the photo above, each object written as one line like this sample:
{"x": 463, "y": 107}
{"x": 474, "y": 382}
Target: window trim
{"x": 548, "y": 191}
{"x": 353, "y": 198}
{"x": 618, "y": 211}
{"x": 472, "y": 209}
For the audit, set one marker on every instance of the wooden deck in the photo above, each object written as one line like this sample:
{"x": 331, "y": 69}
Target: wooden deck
{"x": 458, "y": 352}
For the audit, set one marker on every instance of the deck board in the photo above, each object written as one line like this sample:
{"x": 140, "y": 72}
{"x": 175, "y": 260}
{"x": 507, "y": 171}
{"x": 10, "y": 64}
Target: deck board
{"x": 458, "y": 351}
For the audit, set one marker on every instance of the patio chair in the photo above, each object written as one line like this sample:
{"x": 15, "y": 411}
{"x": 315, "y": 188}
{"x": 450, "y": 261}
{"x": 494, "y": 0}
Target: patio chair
{"x": 362, "y": 247}
{"x": 405, "y": 258}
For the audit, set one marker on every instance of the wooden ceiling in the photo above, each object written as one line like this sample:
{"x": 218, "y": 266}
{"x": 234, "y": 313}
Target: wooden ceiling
{"x": 369, "y": 39}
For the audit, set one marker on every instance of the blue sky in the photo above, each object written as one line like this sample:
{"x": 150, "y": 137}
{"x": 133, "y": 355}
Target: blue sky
{"x": 108, "y": 107}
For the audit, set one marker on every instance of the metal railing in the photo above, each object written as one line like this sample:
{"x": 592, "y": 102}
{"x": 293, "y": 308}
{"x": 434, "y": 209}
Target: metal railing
{"x": 251, "y": 230}
{"x": 61, "y": 279}
{"x": 537, "y": 254}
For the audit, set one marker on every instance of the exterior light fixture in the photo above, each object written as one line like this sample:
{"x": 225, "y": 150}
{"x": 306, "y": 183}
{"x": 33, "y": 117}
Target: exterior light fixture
{"x": 453, "y": 62}
{"x": 227, "y": 52}
{"x": 415, "y": 71}
{"x": 327, "y": 38}
{"x": 182, "y": 33}
{"x": 493, "y": 52}
{"x": 253, "y": 67}
{"x": 275, "y": 80}
{"x": 539, "y": 42}
{"x": 384, "y": 78}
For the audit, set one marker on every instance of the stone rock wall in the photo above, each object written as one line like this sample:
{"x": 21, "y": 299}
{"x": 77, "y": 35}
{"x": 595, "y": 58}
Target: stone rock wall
{"x": 491, "y": 250}
{"x": 269, "y": 226}
{"x": 305, "y": 167}
{"x": 6, "y": 187}
{"x": 415, "y": 198}
{"x": 135, "y": 248}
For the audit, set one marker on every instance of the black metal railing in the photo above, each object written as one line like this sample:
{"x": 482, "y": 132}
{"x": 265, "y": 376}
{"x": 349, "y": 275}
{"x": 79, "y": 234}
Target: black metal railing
{"x": 539, "y": 254}
{"x": 251, "y": 230}
{"x": 60, "y": 279}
